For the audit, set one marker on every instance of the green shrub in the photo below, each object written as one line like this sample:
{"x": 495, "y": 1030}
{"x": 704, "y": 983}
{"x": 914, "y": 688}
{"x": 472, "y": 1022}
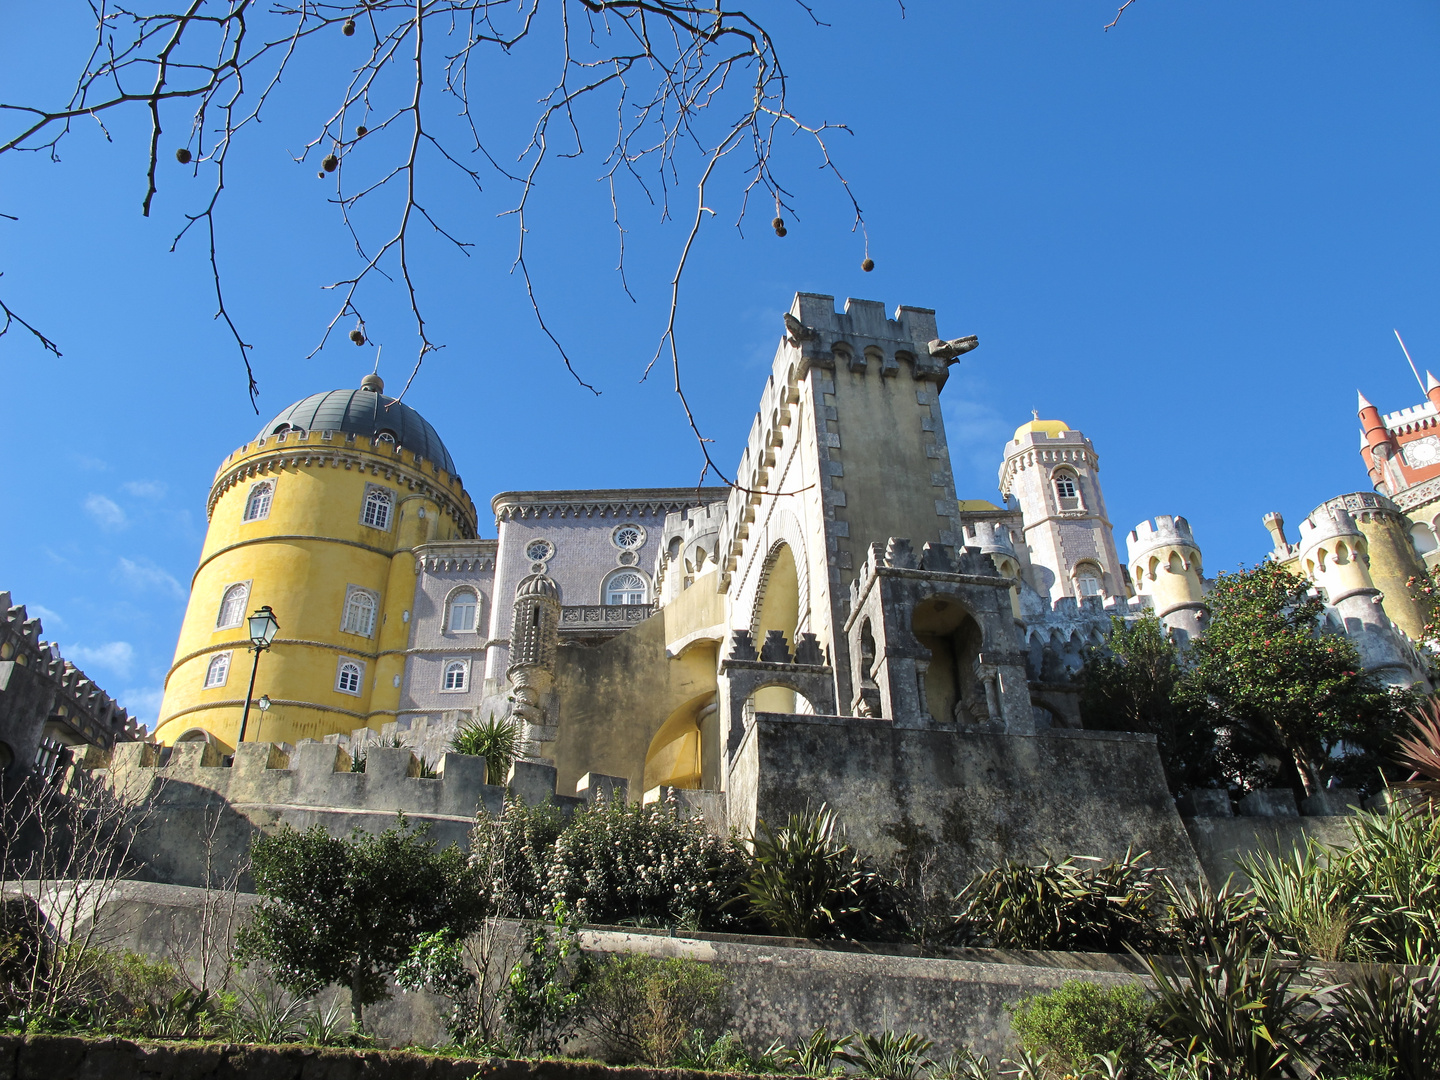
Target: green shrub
{"x": 727, "y": 1054}
{"x": 645, "y": 1008}
{"x": 612, "y": 862}
{"x": 546, "y": 993}
{"x": 806, "y": 881}
{"x": 1080, "y": 1019}
{"x": 1065, "y": 905}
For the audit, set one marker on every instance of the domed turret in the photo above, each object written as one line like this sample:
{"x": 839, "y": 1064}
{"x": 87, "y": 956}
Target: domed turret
{"x": 366, "y": 411}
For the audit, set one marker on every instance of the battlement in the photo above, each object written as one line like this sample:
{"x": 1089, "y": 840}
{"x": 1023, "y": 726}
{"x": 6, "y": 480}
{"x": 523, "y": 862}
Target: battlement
{"x": 1396, "y": 421}
{"x": 991, "y": 537}
{"x": 1328, "y": 521}
{"x": 865, "y": 319}
{"x": 325, "y": 442}
{"x": 1162, "y": 531}
{"x": 77, "y": 702}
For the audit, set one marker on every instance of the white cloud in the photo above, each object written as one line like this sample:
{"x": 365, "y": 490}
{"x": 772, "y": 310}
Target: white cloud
{"x": 106, "y": 512}
{"x": 90, "y": 464}
{"x": 116, "y": 656}
{"x": 46, "y": 615}
{"x": 145, "y": 489}
{"x": 143, "y": 703}
{"x": 146, "y": 577}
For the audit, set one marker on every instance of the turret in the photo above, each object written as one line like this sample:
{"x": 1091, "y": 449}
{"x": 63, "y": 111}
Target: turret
{"x": 1432, "y": 389}
{"x": 534, "y": 636}
{"x": 1377, "y": 447}
{"x": 1275, "y": 524}
{"x": 1165, "y": 566}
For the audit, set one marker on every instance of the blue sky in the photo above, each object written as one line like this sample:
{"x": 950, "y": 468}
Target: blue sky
{"x": 1189, "y": 237}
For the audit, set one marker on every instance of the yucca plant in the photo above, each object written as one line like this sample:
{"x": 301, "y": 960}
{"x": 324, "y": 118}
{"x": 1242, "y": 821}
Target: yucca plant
{"x": 806, "y": 881}
{"x": 889, "y": 1056}
{"x": 499, "y": 742}
{"x": 1391, "y": 1021}
{"x": 1420, "y": 750}
{"x": 1203, "y": 918}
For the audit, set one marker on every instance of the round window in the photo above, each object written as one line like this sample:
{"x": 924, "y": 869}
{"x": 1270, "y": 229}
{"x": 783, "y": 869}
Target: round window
{"x": 628, "y": 537}
{"x": 539, "y": 550}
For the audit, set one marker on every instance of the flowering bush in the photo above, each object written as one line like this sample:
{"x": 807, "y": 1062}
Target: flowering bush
{"x": 613, "y": 862}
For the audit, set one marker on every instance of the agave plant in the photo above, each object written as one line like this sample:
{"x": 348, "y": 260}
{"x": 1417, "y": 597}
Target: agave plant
{"x": 499, "y": 742}
{"x": 890, "y": 1056}
{"x": 269, "y": 1014}
{"x": 816, "y": 1055}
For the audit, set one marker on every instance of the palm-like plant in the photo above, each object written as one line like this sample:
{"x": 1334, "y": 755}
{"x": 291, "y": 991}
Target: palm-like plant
{"x": 499, "y": 742}
{"x": 1420, "y": 751}
{"x": 1392, "y": 1021}
{"x": 816, "y": 1055}
{"x": 806, "y": 881}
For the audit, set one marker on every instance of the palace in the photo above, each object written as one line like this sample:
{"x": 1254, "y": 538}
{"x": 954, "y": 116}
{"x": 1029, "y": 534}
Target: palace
{"x": 839, "y": 607}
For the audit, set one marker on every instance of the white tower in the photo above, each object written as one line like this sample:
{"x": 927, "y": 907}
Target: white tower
{"x": 1051, "y": 471}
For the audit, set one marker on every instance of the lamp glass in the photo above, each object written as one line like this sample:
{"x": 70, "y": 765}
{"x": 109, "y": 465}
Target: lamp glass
{"x": 263, "y": 626}
{"x": 264, "y": 702}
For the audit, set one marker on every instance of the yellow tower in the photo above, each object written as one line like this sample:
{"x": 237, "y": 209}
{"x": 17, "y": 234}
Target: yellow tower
{"x": 316, "y": 518}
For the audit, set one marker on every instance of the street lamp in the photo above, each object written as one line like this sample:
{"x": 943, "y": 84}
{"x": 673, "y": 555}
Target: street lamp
{"x": 264, "y": 705}
{"x": 263, "y": 626}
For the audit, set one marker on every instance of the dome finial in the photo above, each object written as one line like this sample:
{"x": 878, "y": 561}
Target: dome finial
{"x": 373, "y": 382}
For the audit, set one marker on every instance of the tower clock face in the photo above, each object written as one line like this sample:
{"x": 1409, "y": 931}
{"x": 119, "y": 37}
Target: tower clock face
{"x": 1422, "y": 452}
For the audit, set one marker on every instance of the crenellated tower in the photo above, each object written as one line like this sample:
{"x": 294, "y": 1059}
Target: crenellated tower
{"x": 1165, "y": 567}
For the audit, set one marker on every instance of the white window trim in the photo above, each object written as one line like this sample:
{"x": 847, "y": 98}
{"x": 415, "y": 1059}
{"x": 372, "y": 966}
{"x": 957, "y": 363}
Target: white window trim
{"x": 549, "y": 549}
{"x": 639, "y": 529}
{"x": 340, "y": 666}
{"x": 450, "y": 608}
{"x": 206, "y": 684}
{"x": 644, "y": 577}
{"x": 464, "y": 688}
{"x": 394, "y": 498}
{"x": 220, "y": 613}
{"x": 350, "y": 592}
{"x": 250, "y": 494}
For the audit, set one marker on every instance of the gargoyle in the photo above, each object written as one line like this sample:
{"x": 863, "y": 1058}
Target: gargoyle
{"x": 798, "y": 331}
{"x": 951, "y": 350}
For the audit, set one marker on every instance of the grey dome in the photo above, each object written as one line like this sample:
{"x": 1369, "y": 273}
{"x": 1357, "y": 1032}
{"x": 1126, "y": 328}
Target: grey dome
{"x": 537, "y": 585}
{"x": 365, "y": 412}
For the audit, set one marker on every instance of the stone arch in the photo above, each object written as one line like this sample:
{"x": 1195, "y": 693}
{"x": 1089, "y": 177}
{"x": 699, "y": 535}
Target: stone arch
{"x": 677, "y": 753}
{"x": 950, "y": 632}
{"x": 779, "y": 693}
{"x": 777, "y": 607}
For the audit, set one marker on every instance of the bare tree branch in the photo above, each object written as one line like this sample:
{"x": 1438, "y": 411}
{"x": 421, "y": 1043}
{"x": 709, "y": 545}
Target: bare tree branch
{"x": 1116, "y": 19}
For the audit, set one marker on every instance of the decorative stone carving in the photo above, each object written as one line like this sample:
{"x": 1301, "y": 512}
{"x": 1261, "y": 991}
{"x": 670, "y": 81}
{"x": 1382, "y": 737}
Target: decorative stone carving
{"x": 533, "y": 637}
{"x": 951, "y": 350}
{"x": 775, "y": 649}
{"x": 742, "y": 647}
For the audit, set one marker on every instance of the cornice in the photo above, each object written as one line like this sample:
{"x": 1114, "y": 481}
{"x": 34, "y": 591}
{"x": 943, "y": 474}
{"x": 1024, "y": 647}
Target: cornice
{"x": 524, "y": 505}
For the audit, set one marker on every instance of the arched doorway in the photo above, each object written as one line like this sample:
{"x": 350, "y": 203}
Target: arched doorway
{"x": 677, "y": 754}
{"x": 952, "y": 689}
{"x": 778, "y": 609}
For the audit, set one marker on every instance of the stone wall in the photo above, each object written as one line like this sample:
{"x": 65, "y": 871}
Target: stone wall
{"x": 980, "y": 797}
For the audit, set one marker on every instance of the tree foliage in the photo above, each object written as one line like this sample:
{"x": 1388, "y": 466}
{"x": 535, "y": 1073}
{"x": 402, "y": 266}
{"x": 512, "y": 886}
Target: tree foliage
{"x": 350, "y": 910}
{"x": 1136, "y": 682}
{"x": 1276, "y": 685}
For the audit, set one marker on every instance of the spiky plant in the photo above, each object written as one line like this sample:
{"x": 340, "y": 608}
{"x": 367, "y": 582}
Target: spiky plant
{"x": 1420, "y": 750}
{"x": 499, "y": 742}
{"x": 889, "y": 1056}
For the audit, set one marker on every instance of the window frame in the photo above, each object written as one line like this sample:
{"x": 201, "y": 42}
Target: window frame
{"x": 377, "y": 493}
{"x": 341, "y": 665}
{"x": 450, "y": 604}
{"x": 640, "y": 534}
{"x": 351, "y": 592}
{"x": 1088, "y": 570}
{"x": 228, "y": 657}
{"x": 1072, "y": 479}
{"x": 639, "y": 575}
{"x": 463, "y": 663}
{"x": 239, "y": 620}
{"x": 268, "y": 483}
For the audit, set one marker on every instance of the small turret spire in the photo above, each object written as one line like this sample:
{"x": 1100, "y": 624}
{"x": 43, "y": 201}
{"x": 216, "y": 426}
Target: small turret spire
{"x": 1364, "y": 402}
{"x": 1430, "y": 382}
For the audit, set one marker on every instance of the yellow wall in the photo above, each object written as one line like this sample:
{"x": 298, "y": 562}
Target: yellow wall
{"x": 300, "y": 560}
{"x": 1393, "y": 562}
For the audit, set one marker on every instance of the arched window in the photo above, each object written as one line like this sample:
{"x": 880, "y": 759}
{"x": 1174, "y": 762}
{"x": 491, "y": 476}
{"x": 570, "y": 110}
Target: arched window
{"x": 377, "y": 508}
{"x": 257, "y": 506}
{"x": 1088, "y": 580}
{"x": 218, "y": 670}
{"x": 457, "y": 675}
{"x": 348, "y": 676}
{"x": 464, "y": 606}
{"x": 232, "y": 606}
{"x": 359, "y": 613}
{"x": 1067, "y": 491}
{"x": 626, "y": 587}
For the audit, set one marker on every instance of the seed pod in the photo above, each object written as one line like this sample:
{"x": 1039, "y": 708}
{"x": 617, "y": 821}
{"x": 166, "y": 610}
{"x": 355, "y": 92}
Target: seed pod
{"x": 357, "y": 336}
{"x": 320, "y": 176}
{"x": 360, "y": 131}
{"x": 781, "y": 231}
{"x": 348, "y": 27}
{"x": 778, "y": 223}
{"x": 183, "y": 156}
{"x": 868, "y": 264}
{"x": 331, "y": 163}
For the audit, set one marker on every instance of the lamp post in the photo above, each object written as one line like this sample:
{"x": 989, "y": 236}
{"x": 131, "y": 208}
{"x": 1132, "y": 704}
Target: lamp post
{"x": 264, "y": 706}
{"x": 263, "y": 626}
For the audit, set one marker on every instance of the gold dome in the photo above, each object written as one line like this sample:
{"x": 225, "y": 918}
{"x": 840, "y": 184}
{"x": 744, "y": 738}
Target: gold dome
{"x": 1051, "y": 428}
